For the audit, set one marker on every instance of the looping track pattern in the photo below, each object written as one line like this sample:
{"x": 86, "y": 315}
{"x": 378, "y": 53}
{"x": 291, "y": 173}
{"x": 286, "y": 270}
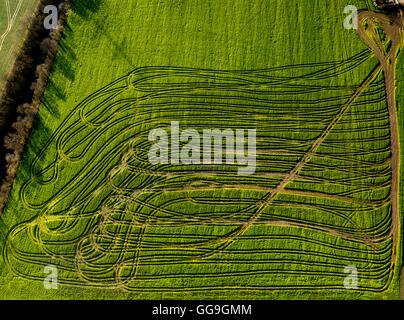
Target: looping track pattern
{"x": 320, "y": 198}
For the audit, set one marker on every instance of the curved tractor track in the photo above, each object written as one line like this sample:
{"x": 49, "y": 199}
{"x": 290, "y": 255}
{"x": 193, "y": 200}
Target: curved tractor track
{"x": 324, "y": 194}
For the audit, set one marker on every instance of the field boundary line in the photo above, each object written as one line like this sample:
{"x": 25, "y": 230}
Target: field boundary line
{"x": 11, "y": 20}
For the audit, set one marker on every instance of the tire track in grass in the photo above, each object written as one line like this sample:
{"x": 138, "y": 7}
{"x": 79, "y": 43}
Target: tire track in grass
{"x": 305, "y": 159}
{"x": 87, "y": 267}
{"x": 393, "y": 28}
{"x": 10, "y": 20}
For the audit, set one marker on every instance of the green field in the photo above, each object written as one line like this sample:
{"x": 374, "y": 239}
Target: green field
{"x": 87, "y": 200}
{"x": 13, "y": 19}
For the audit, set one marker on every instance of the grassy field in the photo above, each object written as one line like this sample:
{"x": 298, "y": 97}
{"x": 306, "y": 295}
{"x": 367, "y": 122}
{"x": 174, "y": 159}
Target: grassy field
{"x": 87, "y": 200}
{"x": 400, "y": 113}
{"x": 13, "y": 19}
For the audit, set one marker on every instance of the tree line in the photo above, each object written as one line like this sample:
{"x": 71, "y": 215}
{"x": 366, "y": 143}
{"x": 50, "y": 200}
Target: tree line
{"x": 24, "y": 88}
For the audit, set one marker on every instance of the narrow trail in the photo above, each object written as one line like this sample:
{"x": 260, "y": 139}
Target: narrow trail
{"x": 10, "y": 20}
{"x": 393, "y": 28}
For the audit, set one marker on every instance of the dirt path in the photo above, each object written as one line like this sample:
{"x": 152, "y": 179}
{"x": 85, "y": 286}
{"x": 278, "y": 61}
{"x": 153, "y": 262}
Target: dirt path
{"x": 11, "y": 19}
{"x": 393, "y": 28}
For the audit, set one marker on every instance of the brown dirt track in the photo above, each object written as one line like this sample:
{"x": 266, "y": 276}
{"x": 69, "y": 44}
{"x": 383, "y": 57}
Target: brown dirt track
{"x": 393, "y": 29}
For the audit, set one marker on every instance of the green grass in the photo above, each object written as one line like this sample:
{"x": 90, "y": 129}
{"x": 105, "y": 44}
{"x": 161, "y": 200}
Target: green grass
{"x": 166, "y": 227}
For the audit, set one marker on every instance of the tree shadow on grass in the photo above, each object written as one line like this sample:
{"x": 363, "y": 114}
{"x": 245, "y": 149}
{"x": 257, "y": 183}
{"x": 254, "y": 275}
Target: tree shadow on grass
{"x": 49, "y": 104}
{"x": 65, "y": 66}
{"x": 85, "y": 8}
{"x": 65, "y": 61}
{"x": 39, "y": 136}
{"x": 3, "y": 235}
